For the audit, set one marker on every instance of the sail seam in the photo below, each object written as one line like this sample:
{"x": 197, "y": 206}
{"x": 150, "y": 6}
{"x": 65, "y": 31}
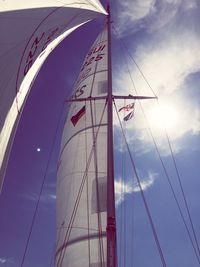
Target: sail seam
{"x": 79, "y": 239}
{"x": 80, "y": 131}
{"x": 91, "y": 74}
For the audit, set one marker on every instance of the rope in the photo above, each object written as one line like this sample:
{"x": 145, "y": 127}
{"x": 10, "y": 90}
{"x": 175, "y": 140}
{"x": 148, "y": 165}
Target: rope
{"x": 121, "y": 215}
{"x": 124, "y": 193}
{"x": 132, "y": 234}
{"x": 42, "y": 186}
{"x": 172, "y": 189}
{"x": 165, "y": 171}
{"x": 183, "y": 193}
{"x": 67, "y": 235}
{"x": 87, "y": 193}
{"x": 143, "y": 197}
{"x": 122, "y": 231}
{"x": 97, "y": 185}
{"x": 131, "y": 57}
{"x": 93, "y": 119}
{"x": 84, "y": 178}
{"x": 166, "y": 174}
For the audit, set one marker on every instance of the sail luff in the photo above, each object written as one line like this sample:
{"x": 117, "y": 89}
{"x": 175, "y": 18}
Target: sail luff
{"x": 111, "y": 219}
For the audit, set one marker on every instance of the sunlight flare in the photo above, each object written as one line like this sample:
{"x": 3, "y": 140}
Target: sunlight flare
{"x": 164, "y": 117}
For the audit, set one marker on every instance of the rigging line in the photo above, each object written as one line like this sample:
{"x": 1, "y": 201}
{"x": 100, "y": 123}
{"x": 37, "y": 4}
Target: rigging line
{"x": 170, "y": 183}
{"x": 121, "y": 207}
{"x": 43, "y": 183}
{"x": 97, "y": 185}
{"x": 173, "y": 158}
{"x": 136, "y": 64}
{"x": 77, "y": 201}
{"x": 171, "y": 187}
{"x": 96, "y": 63}
{"x": 124, "y": 193}
{"x": 87, "y": 192}
{"x": 143, "y": 196}
{"x": 183, "y": 194}
{"x": 71, "y": 173}
{"x": 58, "y": 239}
{"x": 67, "y": 235}
{"x": 179, "y": 180}
{"x": 68, "y": 228}
{"x": 181, "y": 187}
{"x": 168, "y": 179}
{"x": 124, "y": 213}
{"x": 52, "y": 257}
{"x": 72, "y": 218}
{"x": 68, "y": 232}
{"x": 132, "y": 233}
{"x": 93, "y": 116}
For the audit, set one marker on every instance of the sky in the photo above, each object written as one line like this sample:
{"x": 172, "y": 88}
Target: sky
{"x": 163, "y": 38}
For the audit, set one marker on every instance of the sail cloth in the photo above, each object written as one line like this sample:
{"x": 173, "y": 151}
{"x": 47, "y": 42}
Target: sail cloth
{"x": 82, "y": 171}
{"x": 29, "y": 31}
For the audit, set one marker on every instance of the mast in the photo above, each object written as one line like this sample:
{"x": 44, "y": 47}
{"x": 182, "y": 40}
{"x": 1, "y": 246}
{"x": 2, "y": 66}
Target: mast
{"x": 111, "y": 219}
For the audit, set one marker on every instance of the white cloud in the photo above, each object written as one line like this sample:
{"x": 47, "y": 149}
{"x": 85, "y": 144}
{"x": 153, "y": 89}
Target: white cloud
{"x": 135, "y": 10}
{"x": 166, "y": 63}
{"x": 122, "y": 189}
{"x": 150, "y": 14}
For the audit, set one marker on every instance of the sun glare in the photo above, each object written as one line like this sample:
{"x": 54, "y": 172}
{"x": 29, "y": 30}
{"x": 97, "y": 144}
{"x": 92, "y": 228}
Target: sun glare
{"x": 164, "y": 117}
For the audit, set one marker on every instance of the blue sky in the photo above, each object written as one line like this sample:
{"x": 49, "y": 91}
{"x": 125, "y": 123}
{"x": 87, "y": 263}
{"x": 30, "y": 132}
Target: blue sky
{"x": 163, "y": 37}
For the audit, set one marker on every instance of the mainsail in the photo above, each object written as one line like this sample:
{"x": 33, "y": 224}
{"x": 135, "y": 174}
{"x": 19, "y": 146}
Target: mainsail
{"x": 30, "y": 30}
{"x": 82, "y": 170}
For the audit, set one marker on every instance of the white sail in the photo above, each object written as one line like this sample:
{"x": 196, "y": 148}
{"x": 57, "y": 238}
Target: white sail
{"x": 82, "y": 170}
{"x": 29, "y": 31}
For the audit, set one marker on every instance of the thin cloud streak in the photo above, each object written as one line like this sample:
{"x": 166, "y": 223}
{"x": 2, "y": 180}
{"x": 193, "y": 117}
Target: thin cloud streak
{"x": 122, "y": 189}
{"x": 45, "y": 199}
{"x": 6, "y": 261}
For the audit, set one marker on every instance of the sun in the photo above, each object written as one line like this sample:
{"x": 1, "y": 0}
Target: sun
{"x": 164, "y": 116}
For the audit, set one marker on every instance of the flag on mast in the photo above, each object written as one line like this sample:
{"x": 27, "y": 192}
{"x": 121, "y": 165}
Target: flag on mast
{"x": 128, "y": 108}
{"x": 129, "y": 116}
